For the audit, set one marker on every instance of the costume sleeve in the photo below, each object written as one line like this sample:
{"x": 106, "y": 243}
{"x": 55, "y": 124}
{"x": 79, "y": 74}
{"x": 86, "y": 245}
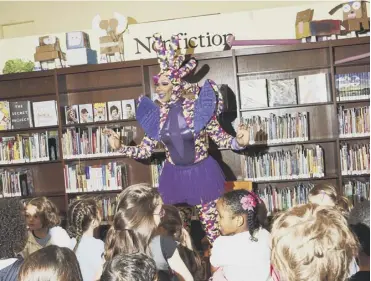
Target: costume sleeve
{"x": 220, "y": 137}
{"x": 141, "y": 151}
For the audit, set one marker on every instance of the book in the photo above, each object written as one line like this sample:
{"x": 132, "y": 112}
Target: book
{"x": 355, "y": 159}
{"x": 71, "y": 114}
{"x": 354, "y": 122}
{"x": 100, "y": 112}
{"x": 282, "y": 92}
{"x": 21, "y": 114}
{"x": 45, "y": 113}
{"x": 85, "y": 178}
{"x": 277, "y": 199}
{"x": 128, "y": 109}
{"x": 114, "y": 110}
{"x": 313, "y": 88}
{"x": 5, "y": 123}
{"x": 297, "y": 163}
{"x": 253, "y": 93}
{"x": 290, "y": 127}
{"x": 357, "y": 190}
{"x": 352, "y": 86}
{"x": 86, "y": 113}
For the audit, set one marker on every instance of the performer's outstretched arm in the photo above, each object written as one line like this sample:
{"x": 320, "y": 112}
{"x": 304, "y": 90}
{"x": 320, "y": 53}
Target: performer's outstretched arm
{"x": 141, "y": 151}
{"x": 223, "y": 139}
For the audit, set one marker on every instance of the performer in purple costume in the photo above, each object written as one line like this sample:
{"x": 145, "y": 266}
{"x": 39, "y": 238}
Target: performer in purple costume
{"x": 182, "y": 124}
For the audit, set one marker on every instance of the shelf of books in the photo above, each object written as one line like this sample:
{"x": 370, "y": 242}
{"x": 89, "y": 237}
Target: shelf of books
{"x": 308, "y": 121}
{"x": 308, "y": 118}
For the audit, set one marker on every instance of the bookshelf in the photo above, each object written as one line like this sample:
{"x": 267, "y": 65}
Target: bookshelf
{"x": 128, "y": 80}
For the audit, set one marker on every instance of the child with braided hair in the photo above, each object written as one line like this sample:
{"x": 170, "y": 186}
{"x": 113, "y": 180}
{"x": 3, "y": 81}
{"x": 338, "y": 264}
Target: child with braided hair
{"x": 244, "y": 247}
{"x": 83, "y": 217}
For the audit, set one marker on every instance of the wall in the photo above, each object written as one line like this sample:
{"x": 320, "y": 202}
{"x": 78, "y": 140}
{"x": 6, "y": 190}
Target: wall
{"x": 275, "y": 23}
{"x": 77, "y": 15}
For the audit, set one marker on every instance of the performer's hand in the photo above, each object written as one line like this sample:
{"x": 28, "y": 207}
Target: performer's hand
{"x": 113, "y": 138}
{"x": 243, "y": 135}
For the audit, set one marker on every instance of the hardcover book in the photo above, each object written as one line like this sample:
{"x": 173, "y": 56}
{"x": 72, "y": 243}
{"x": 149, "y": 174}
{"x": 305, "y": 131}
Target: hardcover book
{"x": 282, "y": 92}
{"x": 45, "y": 113}
{"x": 5, "y": 123}
{"x": 21, "y": 115}
{"x": 86, "y": 113}
{"x": 114, "y": 110}
{"x": 128, "y": 109}
{"x": 253, "y": 93}
{"x": 100, "y": 112}
{"x": 71, "y": 114}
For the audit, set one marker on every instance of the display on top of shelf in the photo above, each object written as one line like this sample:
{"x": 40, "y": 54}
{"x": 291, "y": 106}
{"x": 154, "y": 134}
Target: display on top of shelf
{"x": 102, "y": 112}
{"x": 16, "y": 115}
{"x": 355, "y": 17}
{"x": 305, "y": 89}
{"x": 49, "y": 54}
{"x": 111, "y": 37}
{"x": 78, "y": 49}
{"x": 320, "y": 30}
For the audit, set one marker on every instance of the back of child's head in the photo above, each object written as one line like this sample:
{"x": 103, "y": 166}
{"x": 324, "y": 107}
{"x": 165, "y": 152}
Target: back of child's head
{"x": 246, "y": 203}
{"x": 51, "y": 263}
{"x": 130, "y": 267}
{"x": 359, "y": 221}
{"x": 81, "y": 215}
{"x": 172, "y": 224}
{"x": 326, "y": 195}
{"x": 13, "y": 228}
{"x": 46, "y": 211}
{"x": 311, "y": 243}
{"x": 137, "y": 217}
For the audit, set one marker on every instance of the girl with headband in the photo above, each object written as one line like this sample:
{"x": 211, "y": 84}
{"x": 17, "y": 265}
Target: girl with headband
{"x": 182, "y": 124}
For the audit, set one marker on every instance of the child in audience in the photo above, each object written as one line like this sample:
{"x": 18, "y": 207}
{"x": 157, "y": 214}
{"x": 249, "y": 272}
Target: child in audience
{"x": 83, "y": 217}
{"x": 138, "y": 214}
{"x": 359, "y": 221}
{"x": 133, "y": 267}
{"x": 326, "y": 195}
{"x": 43, "y": 219}
{"x": 51, "y": 263}
{"x": 312, "y": 243}
{"x": 243, "y": 251}
{"x": 13, "y": 238}
{"x": 172, "y": 225}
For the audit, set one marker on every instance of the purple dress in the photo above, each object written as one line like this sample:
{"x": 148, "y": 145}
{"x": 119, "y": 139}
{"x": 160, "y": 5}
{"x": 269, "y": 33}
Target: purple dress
{"x": 186, "y": 181}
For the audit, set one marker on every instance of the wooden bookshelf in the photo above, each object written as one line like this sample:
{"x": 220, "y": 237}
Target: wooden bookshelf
{"x": 128, "y": 80}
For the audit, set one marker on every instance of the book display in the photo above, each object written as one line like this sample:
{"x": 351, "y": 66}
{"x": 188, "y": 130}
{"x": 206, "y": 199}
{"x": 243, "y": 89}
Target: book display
{"x": 308, "y": 120}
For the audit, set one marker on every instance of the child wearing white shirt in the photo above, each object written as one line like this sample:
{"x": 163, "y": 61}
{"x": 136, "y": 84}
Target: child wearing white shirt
{"x": 242, "y": 253}
{"x": 83, "y": 217}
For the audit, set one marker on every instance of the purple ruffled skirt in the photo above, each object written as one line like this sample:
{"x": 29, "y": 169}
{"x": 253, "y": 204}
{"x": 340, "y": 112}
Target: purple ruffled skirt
{"x": 195, "y": 184}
